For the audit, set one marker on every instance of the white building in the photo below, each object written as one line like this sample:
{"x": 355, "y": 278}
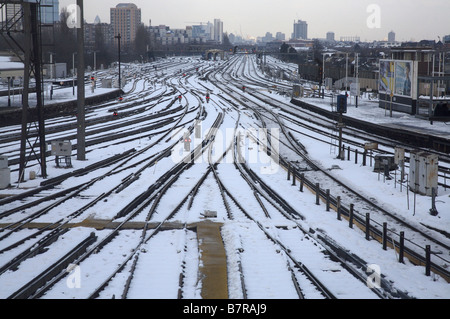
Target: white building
{"x": 218, "y": 31}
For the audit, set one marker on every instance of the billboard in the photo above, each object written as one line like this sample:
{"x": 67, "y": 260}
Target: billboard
{"x": 387, "y": 70}
{"x": 403, "y": 81}
{"x": 397, "y": 78}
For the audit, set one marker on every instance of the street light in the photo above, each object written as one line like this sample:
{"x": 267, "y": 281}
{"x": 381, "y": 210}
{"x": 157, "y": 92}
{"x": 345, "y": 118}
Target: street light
{"x": 73, "y": 73}
{"x": 9, "y": 91}
{"x": 95, "y": 60}
{"x": 323, "y": 73}
{"x": 118, "y": 37}
{"x": 346, "y": 73}
{"x": 357, "y": 78}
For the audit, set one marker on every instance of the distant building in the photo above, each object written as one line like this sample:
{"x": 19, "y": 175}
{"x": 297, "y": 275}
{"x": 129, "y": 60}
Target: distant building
{"x": 267, "y": 38}
{"x": 300, "y": 30}
{"x": 13, "y": 16}
{"x": 280, "y": 36}
{"x": 49, "y": 11}
{"x": 391, "y": 36}
{"x": 218, "y": 31}
{"x": 203, "y": 32}
{"x": 10, "y": 66}
{"x": 125, "y": 19}
{"x": 330, "y": 36}
{"x": 351, "y": 39}
{"x": 94, "y": 30}
{"x": 385, "y": 45}
{"x": 301, "y": 45}
{"x": 232, "y": 38}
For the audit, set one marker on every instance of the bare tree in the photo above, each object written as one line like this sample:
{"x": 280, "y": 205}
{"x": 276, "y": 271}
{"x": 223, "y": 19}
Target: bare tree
{"x": 142, "y": 42}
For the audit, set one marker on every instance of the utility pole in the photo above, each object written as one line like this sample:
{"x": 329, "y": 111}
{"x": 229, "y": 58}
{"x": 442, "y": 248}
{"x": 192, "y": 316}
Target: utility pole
{"x": 30, "y": 52}
{"x": 357, "y": 78}
{"x": 9, "y": 91}
{"x": 340, "y": 127}
{"x": 323, "y": 75}
{"x": 81, "y": 122}
{"x": 346, "y": 73}
{"x": 73, "y": 73}
{"x": 95, "y": 61}
{"x": 118, "y": 37}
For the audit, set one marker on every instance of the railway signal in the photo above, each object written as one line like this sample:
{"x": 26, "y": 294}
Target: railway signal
{"x": 187, "y": 143}
{"x": 341, "y": 108}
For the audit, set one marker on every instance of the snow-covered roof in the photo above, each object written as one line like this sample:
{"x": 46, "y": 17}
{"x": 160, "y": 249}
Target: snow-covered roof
{"x": 8, "y": 63}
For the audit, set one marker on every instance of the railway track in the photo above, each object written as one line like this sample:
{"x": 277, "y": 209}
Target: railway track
{"x": 420, "y": 236}
{"x": 270, "y": 196}
{"x": 163, "y": 199}
{"x": 129, "y": 212}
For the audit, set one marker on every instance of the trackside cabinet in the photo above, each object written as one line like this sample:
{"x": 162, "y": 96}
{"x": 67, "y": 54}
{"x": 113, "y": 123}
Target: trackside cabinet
{"x": 341, "y": 104}
{"x": 423, "y": 172}
{"x": 62, "y": 150}
{"x": 5, "y": 173}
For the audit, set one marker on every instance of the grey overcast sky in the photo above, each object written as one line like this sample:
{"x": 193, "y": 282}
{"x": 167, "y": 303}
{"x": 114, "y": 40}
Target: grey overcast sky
{"x": 369, "y": 19}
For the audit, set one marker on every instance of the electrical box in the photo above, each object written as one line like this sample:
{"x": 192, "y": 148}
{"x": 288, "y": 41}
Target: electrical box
{"x": 107, "y": 83}
{"x": 198, "y": 130}
{"x": 5, "y": 178}
{"x": 414, "y": 170}
{"x": 382, "y": 160}
{"x": 61, "y": 148}
{"x": 329, "y": 83}
{"x": 3, "y": 162}
{"x": 341, "y": 104}
{"x": 399, "y": 155}
{"x": 297, "y": 91}
{"x": 428, "y": 173}
{"x": 423, "y": 174}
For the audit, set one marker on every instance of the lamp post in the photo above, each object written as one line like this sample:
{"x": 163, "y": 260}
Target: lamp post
{"x": 357, "y": 78}
{"x": 95, "y": 61}
{"x": 9, "y": 91}
{"x": 118, "y": 37}
{"x": 73, "y": 73}
{"x": 81, "y": 121}
{"x": 346, "y": 73}
{"x": 323, "y": 74}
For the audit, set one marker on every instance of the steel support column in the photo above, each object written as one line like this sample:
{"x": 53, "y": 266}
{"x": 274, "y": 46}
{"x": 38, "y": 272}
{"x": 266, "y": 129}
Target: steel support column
{"x": 32, "y": 51}
{"x": 81, "y": 122}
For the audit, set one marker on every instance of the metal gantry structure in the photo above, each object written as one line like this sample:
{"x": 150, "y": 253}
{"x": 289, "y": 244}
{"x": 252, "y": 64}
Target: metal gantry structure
{"x": 23, "y": 17}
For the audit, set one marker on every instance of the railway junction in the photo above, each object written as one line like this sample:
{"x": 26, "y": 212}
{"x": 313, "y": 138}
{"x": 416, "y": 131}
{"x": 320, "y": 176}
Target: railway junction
{"x": 244, "y": 195}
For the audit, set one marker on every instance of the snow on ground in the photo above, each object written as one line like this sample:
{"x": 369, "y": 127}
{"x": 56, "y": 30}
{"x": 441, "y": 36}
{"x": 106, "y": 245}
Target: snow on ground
{"x": 238, "y": 234}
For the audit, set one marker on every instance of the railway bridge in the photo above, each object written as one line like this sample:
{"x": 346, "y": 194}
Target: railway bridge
{"x": 214, "y": 53}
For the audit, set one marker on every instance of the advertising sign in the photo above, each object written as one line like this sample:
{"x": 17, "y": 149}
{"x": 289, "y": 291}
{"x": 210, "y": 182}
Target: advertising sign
{"x": 387, "y": 70}
{"x": 397, "y": 78}
{"x": 403, "y": 83}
